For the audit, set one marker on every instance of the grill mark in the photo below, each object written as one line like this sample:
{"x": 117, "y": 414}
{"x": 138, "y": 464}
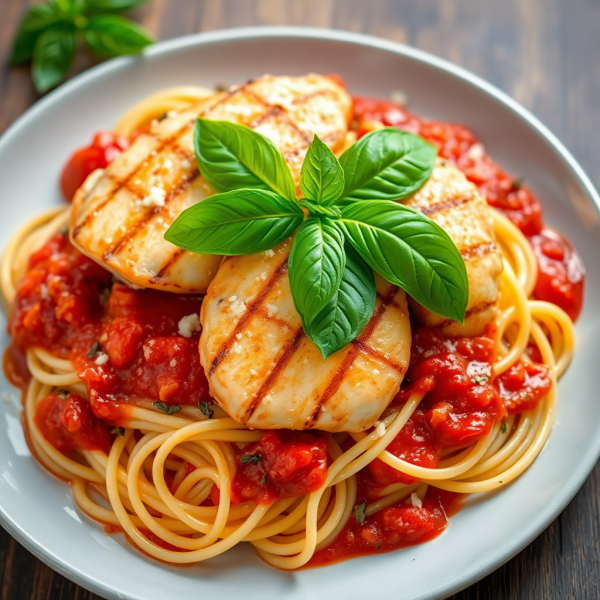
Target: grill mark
{"x": 277, "y": 110}
{"x": 145, "y": 219}
{"x": 480, "y": 249}
{"x": 306, "y": 97}
{"x": 282, "y": 362}
{"x": 446, "y": 205}
{"x": 366, "y": 349}
{"x": 472, "y": 311}
{"x": 163, "y": 143}
{"x": 346, "y": 363}
{"x": 251, "y": 308}
{"x": 166, "y": 266}
{"x": 271, "y": 112}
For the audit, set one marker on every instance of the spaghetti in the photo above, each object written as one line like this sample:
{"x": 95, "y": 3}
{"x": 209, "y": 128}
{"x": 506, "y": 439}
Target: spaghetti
{"x": 156, "y": 479}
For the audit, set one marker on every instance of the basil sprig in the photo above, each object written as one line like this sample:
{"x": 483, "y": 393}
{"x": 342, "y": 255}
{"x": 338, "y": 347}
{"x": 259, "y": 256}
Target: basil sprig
{"x": 48, "y": 34}
{"x": 354, "y": 224}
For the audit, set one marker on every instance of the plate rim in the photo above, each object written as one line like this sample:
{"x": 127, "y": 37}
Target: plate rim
{"x": 588, "y": 459}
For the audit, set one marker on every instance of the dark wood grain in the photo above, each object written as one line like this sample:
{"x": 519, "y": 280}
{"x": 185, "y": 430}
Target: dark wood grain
{"x": 546, "y": 54}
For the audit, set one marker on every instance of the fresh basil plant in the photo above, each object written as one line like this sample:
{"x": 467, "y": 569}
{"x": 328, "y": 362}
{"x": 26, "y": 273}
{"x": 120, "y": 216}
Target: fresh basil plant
{"x": 354, "y": 224}
{"x": 48, "y": 33}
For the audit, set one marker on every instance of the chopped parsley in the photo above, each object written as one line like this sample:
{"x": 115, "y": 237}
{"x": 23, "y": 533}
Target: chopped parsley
{"x": 360, "y": 513}
{"x": 161, "y": 117}
{"x": 246, "y": 459}
{"x": 94, "y": 350}
{"x": 480, "y": 380}
{"x": 206, "y": 410}
{"x": 168, "y": 410}
{"x": 62, "y": 393}
{"x": 264, "y": 479}
{"x": 503, "y": 427}
{"x": 117, "y": 431}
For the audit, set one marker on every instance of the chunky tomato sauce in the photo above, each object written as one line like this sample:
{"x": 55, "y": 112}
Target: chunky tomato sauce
{"x": 399, "y": 526}
{"x": 283, "y": 464}
{"x": 124, "y": 343}
{"x": 127, "y": 345}
{"x": 105, "y": 147}
{"x": 561, "y": 272}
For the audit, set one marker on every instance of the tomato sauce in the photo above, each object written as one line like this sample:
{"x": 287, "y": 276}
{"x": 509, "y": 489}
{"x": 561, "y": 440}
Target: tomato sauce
{"x": 283, "y": 464}
{"x": 66, "y": 420}
{"x": 104, "y": 148}
{"x": 124, "y": 343}
{"x": 391, "y": 528}
{"x": 561, "y": 272}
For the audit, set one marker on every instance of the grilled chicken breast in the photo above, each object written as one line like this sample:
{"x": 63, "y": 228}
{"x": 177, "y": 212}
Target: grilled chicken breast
{"x": 119, "y": 217}
{"x": 454, "y": 203}
{"x": 265, "y": 372}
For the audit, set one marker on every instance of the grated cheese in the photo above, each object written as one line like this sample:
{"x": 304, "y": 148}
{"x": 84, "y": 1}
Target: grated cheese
{"x": 156, "y": 197}
{"x": 188, "y": 325}
{"x": 101, "y": 358}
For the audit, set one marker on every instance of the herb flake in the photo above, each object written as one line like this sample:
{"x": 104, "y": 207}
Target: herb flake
{"x": 263, "y": 481}
{"x": 503, "y": 427}
{"x": 360, "y": 513}
{"x": 117, "y": 431}
{"x": 94, "y": 349}
{"x": 205, "y": 409}
{"x": 167, "y": 409}
{"x": 62, "y": 393}
{"x": 247, "y": 459}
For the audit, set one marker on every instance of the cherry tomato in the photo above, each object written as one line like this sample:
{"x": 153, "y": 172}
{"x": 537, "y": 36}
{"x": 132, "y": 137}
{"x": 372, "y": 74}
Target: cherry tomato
{"x": 105, "y": 147}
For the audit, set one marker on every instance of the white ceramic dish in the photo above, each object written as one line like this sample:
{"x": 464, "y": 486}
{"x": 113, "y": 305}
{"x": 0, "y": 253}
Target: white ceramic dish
{"x": 39, "y": 511}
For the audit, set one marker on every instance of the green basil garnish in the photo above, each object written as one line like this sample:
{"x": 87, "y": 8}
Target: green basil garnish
{"x": 354, "y": 224}
{"x": 107, "y": 36}
{"x": 48, "y": 36}
{"x": 321, "y": 177}
{"x": 237, "y": 222}
{"x": 316, "y": 264}
{"x": 350, "y": 309}
{"x": 234, "y": 157}
{"x": 409, "y": 249}
{"x": 386, "y": 164}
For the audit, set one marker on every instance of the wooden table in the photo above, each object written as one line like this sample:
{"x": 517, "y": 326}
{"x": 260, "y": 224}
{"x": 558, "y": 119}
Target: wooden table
{"x": 546, "y": 54}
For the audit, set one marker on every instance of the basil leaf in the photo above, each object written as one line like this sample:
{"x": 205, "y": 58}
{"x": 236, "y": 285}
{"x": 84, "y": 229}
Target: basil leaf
{"x": 350, "y": 309}
{"x": 315, "y": 266}
{"x": 411, "y": 251}
{"x": 69, "y": 8}
{"x": 36, "y": 20}
{"x": 321, "y": 177}
{"x": 320, "y": 209}
{"x": 52, "y": 56}
{"x": 233, "y": 157}
{"x": 234, "y": 223}
{"x": 386, "y": 164}
{"x": 108, "y": 36}
{"x": 107, "y": 6}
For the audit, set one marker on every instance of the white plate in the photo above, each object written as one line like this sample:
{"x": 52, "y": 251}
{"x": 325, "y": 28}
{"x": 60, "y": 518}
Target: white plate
{"x": 39, "y": 511}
